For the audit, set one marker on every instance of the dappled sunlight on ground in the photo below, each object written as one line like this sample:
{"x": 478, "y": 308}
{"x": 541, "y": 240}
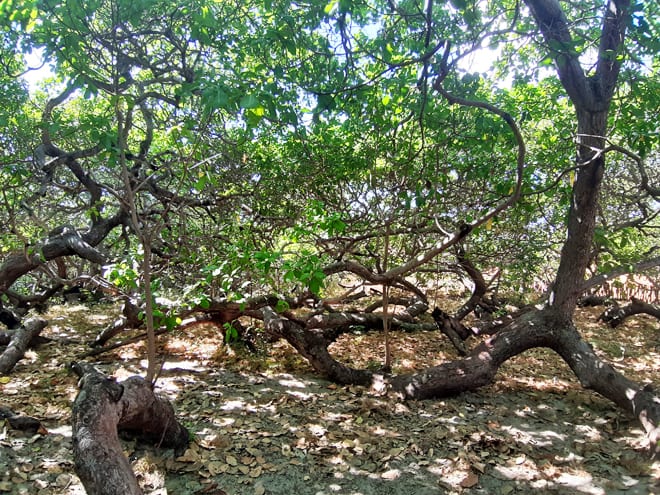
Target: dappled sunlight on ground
{"x": 265, "y": 421}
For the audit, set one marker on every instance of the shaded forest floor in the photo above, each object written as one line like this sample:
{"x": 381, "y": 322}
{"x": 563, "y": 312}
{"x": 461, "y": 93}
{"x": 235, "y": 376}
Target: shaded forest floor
{"x": 265, "y": 424}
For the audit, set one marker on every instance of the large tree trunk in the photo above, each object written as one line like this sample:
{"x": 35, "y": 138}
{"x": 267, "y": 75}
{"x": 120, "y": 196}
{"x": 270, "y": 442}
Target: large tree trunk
{"x": 103, "y": 407}
{"x": 575, "y": 254}
{"x": 591, "y": 97}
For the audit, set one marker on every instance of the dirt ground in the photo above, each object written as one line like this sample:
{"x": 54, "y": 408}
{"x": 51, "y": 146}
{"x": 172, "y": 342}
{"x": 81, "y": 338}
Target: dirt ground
{"x": 265, "y": 424}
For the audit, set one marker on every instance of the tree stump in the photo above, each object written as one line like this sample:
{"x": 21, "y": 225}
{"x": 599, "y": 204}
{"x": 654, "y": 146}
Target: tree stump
{"x": 101, "y": 409}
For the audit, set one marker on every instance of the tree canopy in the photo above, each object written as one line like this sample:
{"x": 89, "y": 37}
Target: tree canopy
{"x": 278, "y": 137}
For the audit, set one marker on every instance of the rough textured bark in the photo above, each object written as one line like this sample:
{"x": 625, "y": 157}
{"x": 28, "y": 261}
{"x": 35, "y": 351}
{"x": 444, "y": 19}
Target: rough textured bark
{"x": 615, "y": 315}
{"x": 219, "y": 311}
{"x": 6, "y": 337}
{"x": 480, "y": 286}
{"x": 64, "y": 244}
{"x": 453, "y": 329}
{"x": 20, "y": 341}
{"x": 312, "y": 344}
{"x": 103, "y": 407}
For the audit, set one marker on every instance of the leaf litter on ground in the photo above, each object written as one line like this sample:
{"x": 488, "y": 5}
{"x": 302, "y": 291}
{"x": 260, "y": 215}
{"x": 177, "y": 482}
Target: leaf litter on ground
{"x": 265, "y": 424}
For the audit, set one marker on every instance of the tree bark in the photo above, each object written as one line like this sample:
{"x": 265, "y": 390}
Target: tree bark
{"x": 553, "y": 326}
{"x": 592, "y": 300}
{"x": 37, "y": 301}
{"x": 602, "y": 278}
{"x": 615, "y": 315}
{"x": 6, "y": 337}
{"x": 591, "y": 97}
{"x": 130, "y": 318}
{"x": 544, "y": 328}
{"x": 103, "y": 407}
{"x": 540, "y": 328}
{"x": 9, "y": 319}
{"x": 20, "y": 341}
{"x": 453, "y": 329}
{"x": 28, "y": 424}
{"x": 480, "y": 286}
{"x": 312, "y": 344}
{"x": 17, "y": 265}
{"x": 342, "y": 320}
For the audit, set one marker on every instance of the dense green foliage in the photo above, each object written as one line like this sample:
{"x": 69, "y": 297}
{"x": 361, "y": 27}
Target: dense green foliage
{"x": 257, "y": 143}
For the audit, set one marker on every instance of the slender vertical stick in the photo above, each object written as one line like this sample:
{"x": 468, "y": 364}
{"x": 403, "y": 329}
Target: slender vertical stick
{"x": 386, "y": 303}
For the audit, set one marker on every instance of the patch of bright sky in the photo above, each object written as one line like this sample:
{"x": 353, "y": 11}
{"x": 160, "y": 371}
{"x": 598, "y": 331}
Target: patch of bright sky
{"x": 480, "y": 60}
{"x": 39, "y": 71}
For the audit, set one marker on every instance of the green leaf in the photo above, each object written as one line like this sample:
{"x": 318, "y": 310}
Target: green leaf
{"x": 330, "y": 6}
{"x": 249, "y": 101}
{"x": 281, "y": 306}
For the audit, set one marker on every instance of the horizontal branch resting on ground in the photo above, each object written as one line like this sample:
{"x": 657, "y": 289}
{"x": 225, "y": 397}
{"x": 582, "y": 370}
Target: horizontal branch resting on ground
{"x": 532, "y": 329}
{"x": 20, "y": 341}
{"x": 615, "y": 315}
{"x": 221, "y": 311}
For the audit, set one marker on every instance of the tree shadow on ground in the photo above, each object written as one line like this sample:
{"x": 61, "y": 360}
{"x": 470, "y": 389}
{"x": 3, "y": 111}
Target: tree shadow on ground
{"x": 264, "y": 424}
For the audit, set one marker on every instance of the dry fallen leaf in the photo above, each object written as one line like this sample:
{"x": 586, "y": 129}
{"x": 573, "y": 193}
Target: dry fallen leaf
{"x": 470, "y": 480}
{"x": 215, "y": 441}
{"x": 392, "y": 474}
{"x": 216, "y": 467}
{"x": 190, "y": 455}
